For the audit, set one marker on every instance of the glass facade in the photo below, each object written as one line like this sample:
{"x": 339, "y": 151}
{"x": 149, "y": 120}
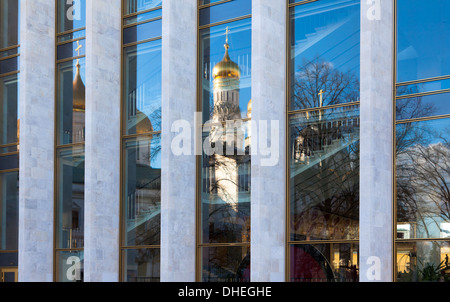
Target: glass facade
{"x": 9, "y": 139}
{"x": 224, "y": 167}
{"x": 141, "y": 142}
{"x": 70, "y": 138}
{"x": 323, "y": 141}
{"x": 422, "y": 141}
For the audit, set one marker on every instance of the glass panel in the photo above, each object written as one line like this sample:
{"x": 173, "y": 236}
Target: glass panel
{"x": 423, "y": 261}
{"x": 141, "y": 265}
{"x": 9, "y": 259}
{"x": 205, "y": 2}
{"x": 9, "y": 23}
{"x": 9, "y": 65}
{"x": 325, "y": 53}
{"x": 144, "y": 16}
{"x": 331, "y": 262}
{"x": 71, "y": 102}
{"x": 71, "y": 15}
{"x": 225, "y": 264}
{"x": 9, "y": 211}
{"x": 70, "y": 198}
{"x": 71, "y": 36}
{"x": 73, "y": 49}
{"x": 70, "y": 266}
{"x": 423, "y": 87}
{"x": 423, "y": 106}
{"x": 142, "y": 192}
{"x": 225, "y": 183}
{"x": 9, "y": 52}
{"x": 423, "y": 49}
{"x": 142, "y": 91}
{"x": 225, "y": 11}
{"x": 324, "y": 174}
{"x": 422, "y": 179}
{"x": 9, "y": 110}
{"x": 134, "y": 6}
{"x": 9, "y": 162}
{"x": 144, "y": 31}
{"x": 226, "y": 72}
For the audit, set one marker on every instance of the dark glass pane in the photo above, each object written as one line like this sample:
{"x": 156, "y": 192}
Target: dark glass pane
{"x": 142, "y": 88}
{"x": 205, "y": 2}
{"x": 71, "y": 102}
{"x": 9, "y": 162}
{"x": 423, "y": 168}
{"x": 225, "y": 11}
{"x": 9, "y": 212}
{"x": 331, "y": 262}
{"x": 226, "y": 72}
{"x": 225, "y": 264}
{"x": 423, "y": 46}
{"x": 9, "y": 105}
{"x": 9, "y": 65}
{"x": 423, "y": 106}
{"x": 325, "y": 59}
{"x": 9, "y": 23}
{"x": 423, "y": 261}
{"x": 71, "y": 15}
{"x": 135, "y": 6}
{"x": 69, "y": 266}
{"x": 72, "y": 36}
{"x": 141, "y": 265}
{"x": 69, "y": 226}
{"x": 142, "y": 192}
{"x": 144, "y": 31}
{"x": 73, "y": 49}
{"x": 324, "y": 174}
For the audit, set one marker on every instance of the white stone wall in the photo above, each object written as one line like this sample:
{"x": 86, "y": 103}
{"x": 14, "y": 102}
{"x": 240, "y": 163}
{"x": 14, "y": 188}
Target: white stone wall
{"x": 376, "y": 151}
{"x": 102, "y": 165}
{"x": 37, "y": 115}
{"x": 268, "y": 201}
{"x": 178, "y": 179}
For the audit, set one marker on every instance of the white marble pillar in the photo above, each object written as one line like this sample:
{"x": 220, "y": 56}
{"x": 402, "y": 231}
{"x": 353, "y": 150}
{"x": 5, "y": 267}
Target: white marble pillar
{"x": 37, "y": 127}
{"x": 102, "y": 165}
{"x": 178, "y": 179}
{"x": 268, "y": 173}
{"x": 376, "y": 172}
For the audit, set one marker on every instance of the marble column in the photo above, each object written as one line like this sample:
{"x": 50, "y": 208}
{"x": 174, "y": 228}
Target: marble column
{"x": 376, "y": 159}
{"x": 102, "y": 165}
{"x": 37, "y": 127}
{"x": 179, "y": 103}
{"x": 268, "y": 173}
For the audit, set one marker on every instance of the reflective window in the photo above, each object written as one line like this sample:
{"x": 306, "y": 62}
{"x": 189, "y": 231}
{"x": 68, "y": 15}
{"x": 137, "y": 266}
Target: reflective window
{"x": 9, "y": 111}
{"x": 423, "y": 261}
{"x": 70, "y": 140}
{"x": 9, "y": 26}
{"x": 324, "y": 140}
{"x": 423, "y": 165}
{"x": 422, "y": 141}
{"x": 70, "y": 198}
{"x": 141, "y": 141}
{"x": 423, "y": 51}
{"x": 224, "y": 184}
{"x": 9, "y": 212}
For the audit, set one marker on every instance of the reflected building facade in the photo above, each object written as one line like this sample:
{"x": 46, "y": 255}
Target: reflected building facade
{"x": 148, "y": 166}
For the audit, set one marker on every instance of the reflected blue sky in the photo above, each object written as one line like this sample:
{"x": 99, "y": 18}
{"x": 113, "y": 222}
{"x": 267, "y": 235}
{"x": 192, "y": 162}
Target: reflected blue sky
{"x": 423, "y": 39}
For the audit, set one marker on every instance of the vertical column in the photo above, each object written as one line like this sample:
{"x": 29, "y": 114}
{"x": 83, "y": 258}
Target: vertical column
{"x": 268, "y": 210}
{"x": 102, "y": 179}
{"x": 36, "y": 112}
{"x": 178, "y": 179}
{"x": 376, "y": 199}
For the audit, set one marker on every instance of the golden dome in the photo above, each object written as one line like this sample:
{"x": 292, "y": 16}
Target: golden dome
{"x": 79, "y": 91}
{"x": 226, "y": 68}
{"x": 249, "y": 107}
{"x": 143, "y": 124}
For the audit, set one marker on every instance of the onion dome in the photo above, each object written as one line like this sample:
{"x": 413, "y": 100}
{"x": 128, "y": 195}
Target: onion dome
{"x": 226, "y": 68}
{"x": 143, "y": 124}
{"x": 79, "y": 91}
{"x": 249, "y": 109}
